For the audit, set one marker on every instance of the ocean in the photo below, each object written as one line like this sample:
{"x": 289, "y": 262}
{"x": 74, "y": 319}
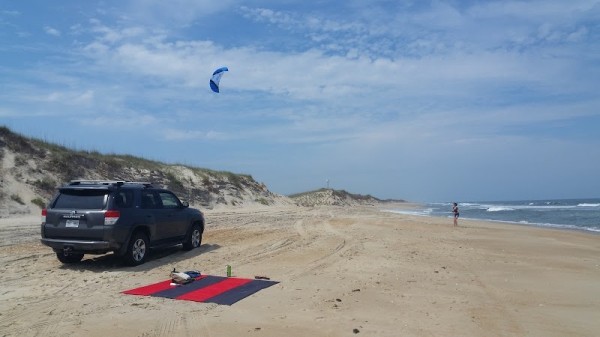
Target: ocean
{"x": 576, "y": 214}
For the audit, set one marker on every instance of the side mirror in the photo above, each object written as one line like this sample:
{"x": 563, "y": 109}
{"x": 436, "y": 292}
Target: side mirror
{"x": 185, "y": 204}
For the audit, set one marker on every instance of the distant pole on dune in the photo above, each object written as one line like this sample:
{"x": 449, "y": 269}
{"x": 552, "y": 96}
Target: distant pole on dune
{"x": 327, "y": 183}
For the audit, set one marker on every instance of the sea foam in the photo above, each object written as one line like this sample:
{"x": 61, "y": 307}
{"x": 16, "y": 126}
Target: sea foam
{"x": 499, "y": 209}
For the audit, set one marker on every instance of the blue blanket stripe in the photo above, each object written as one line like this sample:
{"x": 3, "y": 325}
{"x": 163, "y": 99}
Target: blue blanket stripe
{"x": 231, "y": 296}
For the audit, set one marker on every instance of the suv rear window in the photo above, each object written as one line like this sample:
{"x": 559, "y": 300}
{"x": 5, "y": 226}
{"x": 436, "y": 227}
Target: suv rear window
{"x": 82, "y": 199}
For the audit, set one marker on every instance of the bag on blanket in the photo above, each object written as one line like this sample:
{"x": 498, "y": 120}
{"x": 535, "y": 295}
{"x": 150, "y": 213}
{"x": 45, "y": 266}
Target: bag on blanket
{"x": 180, "y": 278}
{"x": 184, "y": 277}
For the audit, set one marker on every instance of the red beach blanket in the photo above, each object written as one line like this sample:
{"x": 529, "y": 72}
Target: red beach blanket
{"x": 205, "y": 288}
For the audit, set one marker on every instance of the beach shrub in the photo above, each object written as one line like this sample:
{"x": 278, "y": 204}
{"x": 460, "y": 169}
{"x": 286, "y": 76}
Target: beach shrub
{"x": 45, "y": 184}
{"x": 174, "y": 182}
{"x": 262, "y": 201}
{"x": 20, "y": 161}
{"x": 234, "y": 179}
{"x": 17, "y": 198}
{"x": 38, "y": 201}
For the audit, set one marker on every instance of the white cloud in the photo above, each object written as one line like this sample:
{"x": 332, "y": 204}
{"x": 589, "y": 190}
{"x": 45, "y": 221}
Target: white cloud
{"x": 105, "y": 34}
{"x": 348, "y": 85}
{"x": 10, "y": 13}
{"x": 72, "y": 98}
{"x": 52, "y": 31}
{"x": 532, "y": 11}
{"x": 122, "y": 121}
{"x": 175, "y": 12}
{"x": 577, "y": 35}
{"x": 181, "y": 135}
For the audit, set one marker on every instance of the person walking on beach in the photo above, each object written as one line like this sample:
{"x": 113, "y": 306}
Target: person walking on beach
{"x": 456, "y": 214}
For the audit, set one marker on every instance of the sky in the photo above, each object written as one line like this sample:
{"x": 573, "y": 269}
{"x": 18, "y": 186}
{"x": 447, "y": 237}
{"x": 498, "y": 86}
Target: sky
{"x": 417, "y": 100}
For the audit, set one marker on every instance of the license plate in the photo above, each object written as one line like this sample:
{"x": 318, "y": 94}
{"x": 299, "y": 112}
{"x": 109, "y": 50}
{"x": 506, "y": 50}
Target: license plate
{"x": 72, "y": 223}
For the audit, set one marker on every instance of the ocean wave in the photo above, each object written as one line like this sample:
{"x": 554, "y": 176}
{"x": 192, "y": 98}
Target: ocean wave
{"x": 418, "y": 212}
{"x": 577, "y": 214}
{"x": 496, "y": 208}
{"x": 594, "y": 229}
{"x": 525, "y": 215}
{"x": 511, "y": 207}
{"x": 571, "y": 227}
{"x": 499, "y": 209}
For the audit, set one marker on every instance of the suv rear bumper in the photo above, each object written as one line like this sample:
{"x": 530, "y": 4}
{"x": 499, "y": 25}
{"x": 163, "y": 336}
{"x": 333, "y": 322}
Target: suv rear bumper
{"x": 82, "y": 246}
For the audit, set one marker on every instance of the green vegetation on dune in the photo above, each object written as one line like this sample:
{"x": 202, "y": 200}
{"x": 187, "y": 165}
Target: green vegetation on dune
{"x": 49, "y": 165}
{"x": 43, "y": 166}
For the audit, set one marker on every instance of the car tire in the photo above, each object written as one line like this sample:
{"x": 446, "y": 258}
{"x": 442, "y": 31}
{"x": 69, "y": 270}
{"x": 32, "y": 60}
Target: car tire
{"x": 194, "y": 239}
{"x": 70, "y": 258}
{"x": 137, "y": 249}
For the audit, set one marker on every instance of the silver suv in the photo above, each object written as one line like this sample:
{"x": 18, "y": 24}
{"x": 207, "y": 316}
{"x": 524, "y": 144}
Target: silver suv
{"x": 124, "y": 217}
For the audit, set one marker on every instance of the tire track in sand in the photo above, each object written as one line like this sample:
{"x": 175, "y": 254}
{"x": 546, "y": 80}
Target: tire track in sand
{"x": 326, "y": 256}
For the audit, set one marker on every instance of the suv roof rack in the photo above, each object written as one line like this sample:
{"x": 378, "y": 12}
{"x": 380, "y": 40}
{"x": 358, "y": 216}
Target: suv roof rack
{"x": 108, "y": 182}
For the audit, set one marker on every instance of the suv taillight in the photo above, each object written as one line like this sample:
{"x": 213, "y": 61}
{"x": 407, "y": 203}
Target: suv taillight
{"x": 111, "y": 217}
{"x": 44, "y": 212}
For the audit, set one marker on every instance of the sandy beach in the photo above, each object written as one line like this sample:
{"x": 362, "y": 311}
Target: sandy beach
{"x": 342, "y": 272}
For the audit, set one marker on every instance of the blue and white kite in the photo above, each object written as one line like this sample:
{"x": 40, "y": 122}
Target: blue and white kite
{"x": 216, "y": 78}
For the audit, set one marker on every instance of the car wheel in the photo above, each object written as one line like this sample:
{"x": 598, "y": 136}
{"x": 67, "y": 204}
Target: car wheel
{"x": 137, "y": 250}
{"x": 194, "y": 239}
{"x": 70, "y": 258}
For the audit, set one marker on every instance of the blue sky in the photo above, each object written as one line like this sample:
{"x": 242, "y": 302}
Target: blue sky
{"x": 421, "y": 100}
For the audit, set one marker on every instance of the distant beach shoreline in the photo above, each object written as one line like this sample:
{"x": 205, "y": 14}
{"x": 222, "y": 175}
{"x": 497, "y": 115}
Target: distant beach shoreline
{"x": 582, "y": 215}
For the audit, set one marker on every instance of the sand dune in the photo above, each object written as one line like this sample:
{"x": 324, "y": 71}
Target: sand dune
{"x": 342, "y": 271}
